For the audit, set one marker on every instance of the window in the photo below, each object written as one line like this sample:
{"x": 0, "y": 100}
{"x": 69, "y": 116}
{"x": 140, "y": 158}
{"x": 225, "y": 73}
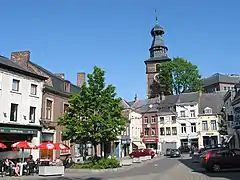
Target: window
{"x": 168, "y": 131}
{"x": 208, "y": 111}
{"x": 228, "y": 88}
{"x": 153, "y": 120}
{"x": 182, "y": 113}
{"x": 153, "y": 132}
{"x": 146, "y": 132}
{"x": 15, "y": 85}
{"x": 145, "y": 120}
{"x": 213, "y": 125}
{"x": 161, "y": 120}
{"x": 192, "y": 113}
{"x": 162, "y": 132}
{"x": 32, "y": 114}
{"x": 49, "y": 110}
{"x": 174, "y": 130}
{"x": 204, "y": 126}
{"x": 183, "y": 128}
{"x": 193, "y": 127}
{"x": 14, "y": 112}
{"x": 225, "y": 88}
{"x": 33, "y": 89}
{"x": 65, "y": 107}
{"x": 173, "y": 119}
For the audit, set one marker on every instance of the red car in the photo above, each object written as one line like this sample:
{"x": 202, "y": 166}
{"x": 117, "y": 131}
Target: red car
{"x": 144, "y": 152}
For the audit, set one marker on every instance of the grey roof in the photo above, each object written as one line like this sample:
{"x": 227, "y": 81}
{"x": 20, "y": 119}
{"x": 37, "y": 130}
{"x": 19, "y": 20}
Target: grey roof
{"x": 191, "y": 97}
{"x": 211, "y": 100}
{"x": 221, "y": 78}
{"x": 124, "y": 104}
{"x": 8, "y": 64}
{"x": 58, "y": 83}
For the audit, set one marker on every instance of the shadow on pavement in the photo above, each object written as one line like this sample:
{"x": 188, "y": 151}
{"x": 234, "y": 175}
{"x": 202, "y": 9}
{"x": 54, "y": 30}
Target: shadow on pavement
{"x": 74, "y": 178}
{"x": 230, "y": 175}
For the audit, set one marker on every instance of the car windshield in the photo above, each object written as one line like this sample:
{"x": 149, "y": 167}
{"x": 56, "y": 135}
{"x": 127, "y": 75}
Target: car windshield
{"x": 174, "y": 150}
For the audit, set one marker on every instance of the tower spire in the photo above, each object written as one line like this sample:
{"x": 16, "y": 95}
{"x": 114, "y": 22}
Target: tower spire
{"x": 156, "y": 17}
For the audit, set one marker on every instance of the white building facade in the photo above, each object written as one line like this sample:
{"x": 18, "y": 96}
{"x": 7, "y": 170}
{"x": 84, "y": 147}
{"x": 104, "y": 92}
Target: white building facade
{"x": 188, "y": 124}
{"x": 20, "y": 105}
{"x": 135, "y": 130}
{"x": 168, "y": 132}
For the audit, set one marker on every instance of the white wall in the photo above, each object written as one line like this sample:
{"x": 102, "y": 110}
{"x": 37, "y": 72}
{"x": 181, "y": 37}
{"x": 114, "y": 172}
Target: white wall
{"x": 23, "y": 98}
{"x": 135, "y": 125}
{"x": 187, "y": 120}
{"x": 167, "y": 123}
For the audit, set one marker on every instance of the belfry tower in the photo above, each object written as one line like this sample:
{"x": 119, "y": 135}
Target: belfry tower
{"x": 158, "y": 55}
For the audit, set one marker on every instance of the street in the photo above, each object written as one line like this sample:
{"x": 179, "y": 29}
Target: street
{"x": 159, "y": 169}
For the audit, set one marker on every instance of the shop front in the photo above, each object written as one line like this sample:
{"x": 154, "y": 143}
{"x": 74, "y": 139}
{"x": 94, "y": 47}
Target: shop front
{"x": 10, "y": 134}
{"x": 125, "y": 150}
{"x": 47, "y": 137}
{"x": 209, "y": 138}
{"x": 151, "y": 143}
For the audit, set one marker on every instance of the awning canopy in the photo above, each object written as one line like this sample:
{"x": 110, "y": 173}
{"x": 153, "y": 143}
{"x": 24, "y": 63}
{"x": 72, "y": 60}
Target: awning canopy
{"x": 140, "y": 145}
{"x": 229, "y": 137}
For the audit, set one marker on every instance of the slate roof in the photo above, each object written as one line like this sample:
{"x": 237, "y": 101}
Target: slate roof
{"x": 58, "y": 83}
{"x": 124, "y": 104}
{"x": 6, "y": 63}
{"x": 221, "y": 78}
{"x": 191, "y": 97}
{"x": 211, "y": 100}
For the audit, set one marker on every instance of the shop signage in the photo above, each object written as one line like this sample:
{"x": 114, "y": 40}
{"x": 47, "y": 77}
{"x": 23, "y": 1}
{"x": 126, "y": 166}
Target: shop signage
{"x": 125, "y": 141}
{"x": 150, "y": 139}
{"x": 10, "y": 130}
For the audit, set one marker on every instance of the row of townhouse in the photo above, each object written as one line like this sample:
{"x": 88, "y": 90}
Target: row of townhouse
{"x": 32, "y": 98}
{"x": 188, "y": 119}
{"x": 231, "y": 110}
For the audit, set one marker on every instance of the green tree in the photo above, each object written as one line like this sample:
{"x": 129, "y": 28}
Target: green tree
{"x": 179, "y": 76}
{"x": 94, "y": 114}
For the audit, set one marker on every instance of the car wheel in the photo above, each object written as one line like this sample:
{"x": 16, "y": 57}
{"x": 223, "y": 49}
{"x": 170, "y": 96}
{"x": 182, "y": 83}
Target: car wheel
{"x": 216, "y": 167}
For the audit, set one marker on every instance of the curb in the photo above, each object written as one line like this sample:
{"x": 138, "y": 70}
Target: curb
{"x": 120, "y": 169}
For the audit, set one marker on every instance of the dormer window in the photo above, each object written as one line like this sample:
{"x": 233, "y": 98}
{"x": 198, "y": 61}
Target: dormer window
{"x": 208, "y": 110}
{"x": 67, "y": 86}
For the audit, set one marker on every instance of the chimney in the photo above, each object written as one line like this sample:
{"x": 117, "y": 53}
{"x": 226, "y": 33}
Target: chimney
{"x": 81, "y": 77}
{"x": 21, "y": 58}
{"x": 61, "y": 75}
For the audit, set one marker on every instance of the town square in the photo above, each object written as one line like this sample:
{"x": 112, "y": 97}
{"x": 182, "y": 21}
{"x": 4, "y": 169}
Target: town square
{"x": 119, "y": 90}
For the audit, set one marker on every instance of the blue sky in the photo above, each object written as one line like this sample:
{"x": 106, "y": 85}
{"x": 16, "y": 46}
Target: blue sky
{"x": 74, "y": 35}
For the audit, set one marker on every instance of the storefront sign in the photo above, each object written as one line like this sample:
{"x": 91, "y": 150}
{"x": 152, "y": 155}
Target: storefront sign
{"x": 10, "y": 130}
{"x": 125, "y": 141}
{"x": 150, "y": 139}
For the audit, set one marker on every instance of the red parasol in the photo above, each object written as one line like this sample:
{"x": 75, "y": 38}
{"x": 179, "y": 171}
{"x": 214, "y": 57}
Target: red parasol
{"x": 46, "y": 145}
{"x": 2, "y": 146}
{"x": 23, "y": 145}
{"x": 61, "y": 146}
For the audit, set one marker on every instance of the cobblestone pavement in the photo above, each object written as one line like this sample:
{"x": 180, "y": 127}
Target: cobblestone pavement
{"x": 160, "y": 169}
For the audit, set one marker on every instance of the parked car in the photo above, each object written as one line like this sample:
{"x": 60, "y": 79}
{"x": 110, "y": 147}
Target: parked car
{"x": 209, "y": 147}
{"x": 184, "y": 149}
{"x": 168, "y": 152}
{"x": 220, "y": 158}
{"x": 175, "y": 153}
{"x": 143, "y": 152}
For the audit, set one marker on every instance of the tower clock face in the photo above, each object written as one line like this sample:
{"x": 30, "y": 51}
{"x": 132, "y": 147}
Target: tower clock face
{"x": 156, "y": 77}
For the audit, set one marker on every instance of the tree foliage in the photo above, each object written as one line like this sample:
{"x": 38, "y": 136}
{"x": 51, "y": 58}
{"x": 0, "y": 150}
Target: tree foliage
{"x": 94, "y": 114}
{"x": 179, "y": 76}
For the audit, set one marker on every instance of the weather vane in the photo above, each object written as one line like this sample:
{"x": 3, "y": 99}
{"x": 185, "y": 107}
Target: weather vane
{"x": 156, "y": 18}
